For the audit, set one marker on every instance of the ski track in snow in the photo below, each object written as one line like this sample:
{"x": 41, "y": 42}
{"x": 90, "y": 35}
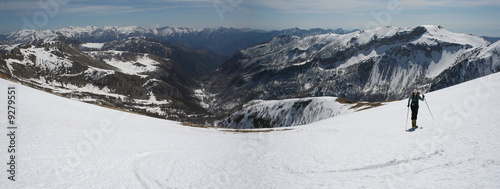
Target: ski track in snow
{"x": 141, "y": 165}
{"x": 69, "y": 144}
{"x": 393, "y": 162}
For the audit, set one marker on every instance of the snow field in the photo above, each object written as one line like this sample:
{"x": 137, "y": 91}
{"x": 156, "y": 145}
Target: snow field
{"x": 142, "y": 63}
{"x": 45, "y": 60}
{"x": 68, "y": 144}
{"x": 97, "y": 46}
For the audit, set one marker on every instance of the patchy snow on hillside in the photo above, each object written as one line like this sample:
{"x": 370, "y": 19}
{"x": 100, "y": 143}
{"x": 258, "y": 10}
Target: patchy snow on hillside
{"x": 44, "y": 60}
{"x": 202, "y": 96}
{"x": 97, "y": 73}
{"x": 140, "y": 64}
{"x": 9, "y": 47}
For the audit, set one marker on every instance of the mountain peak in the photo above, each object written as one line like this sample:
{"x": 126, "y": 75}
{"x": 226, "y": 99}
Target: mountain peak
{"x": 372, "y": 65}
{"x": 432, "y": 27}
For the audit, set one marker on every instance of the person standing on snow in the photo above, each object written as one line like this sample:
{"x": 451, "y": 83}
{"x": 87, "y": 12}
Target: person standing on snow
{"x": 413, "y": 101}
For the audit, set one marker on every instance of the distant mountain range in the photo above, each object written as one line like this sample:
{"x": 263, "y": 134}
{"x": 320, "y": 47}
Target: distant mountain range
{"x": 150, "y": 71}
{"x": 385, "y": 63}
{"x": 223, "y": 40}
{"x": 491, "y": 39}
{"x": 215, "y": 75}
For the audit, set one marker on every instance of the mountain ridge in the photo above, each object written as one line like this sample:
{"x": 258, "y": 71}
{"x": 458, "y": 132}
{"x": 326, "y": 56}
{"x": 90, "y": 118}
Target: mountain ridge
{"x": 170, "y": 80}
{"x": 119, "y": 76}
{"x": 374, "y": 65}
{"x": 221, "y": 40}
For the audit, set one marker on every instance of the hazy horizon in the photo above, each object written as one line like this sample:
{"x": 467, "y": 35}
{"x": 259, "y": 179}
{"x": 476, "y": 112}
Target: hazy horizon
{"x": 460, "y": 16}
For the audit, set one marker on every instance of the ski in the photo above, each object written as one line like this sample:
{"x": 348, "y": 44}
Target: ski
{"x": 413, "y": 129}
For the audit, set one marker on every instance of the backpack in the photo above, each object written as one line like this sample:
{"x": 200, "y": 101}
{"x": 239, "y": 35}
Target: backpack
{"x": 414, "y": 99}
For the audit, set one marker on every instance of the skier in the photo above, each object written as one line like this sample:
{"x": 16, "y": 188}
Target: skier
{"x": 415, "y": 96}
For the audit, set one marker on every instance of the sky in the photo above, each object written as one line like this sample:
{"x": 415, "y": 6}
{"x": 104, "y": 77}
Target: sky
{"x": 478, "y": 17}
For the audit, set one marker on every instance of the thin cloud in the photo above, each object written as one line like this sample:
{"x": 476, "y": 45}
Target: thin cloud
{"x": 423, "y": 4}
{"x": 342, "y": 6}
{"x": 319, "y": 6}
{"x": 103, "y": 10}
{"x": 27, "y": 7}
{"x": 19, "y": 5}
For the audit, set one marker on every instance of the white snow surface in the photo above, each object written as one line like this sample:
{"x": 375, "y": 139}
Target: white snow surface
{"x": 93, "y": 45}
{"x": 97, "y": 73}
{"x": 142, "y": 63}
{"x": 61, "y": 143}
{"x": 326, "y": 44}
{"x": 45, "y": 60}
{"x": 447, "y": 58}
{"x": 8, "y": 47}
{"x": 490, "y": 50}
{"x": 289, "y": 112}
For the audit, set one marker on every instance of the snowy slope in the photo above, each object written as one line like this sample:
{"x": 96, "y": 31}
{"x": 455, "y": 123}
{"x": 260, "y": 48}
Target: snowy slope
{"x": 139, "y": 64}
{"x": 67, "y": 144}
{"x": 328, "y": 45}
{"x": 93, "y": 45}
{"x": 290, "y": 112}
{"x": 483, "y": 61}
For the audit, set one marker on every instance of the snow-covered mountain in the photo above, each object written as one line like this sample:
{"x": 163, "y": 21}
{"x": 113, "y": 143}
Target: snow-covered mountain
{"x": 491, "y": 39}
{"x": 222, "y": 40}
{"x": 375, "y": 65}
{"x": 61, "y": 143}
{"x": 151, "y": 71}
{"x": 141, "y": 70}
{"x": 95, "y": 34}
{"x": 136, "y": 74}
{"x": 480, "y": 62}
{"x": 291, "y": 112}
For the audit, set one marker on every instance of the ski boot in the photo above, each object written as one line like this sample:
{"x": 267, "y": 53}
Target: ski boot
{"x": 414, "y": 124}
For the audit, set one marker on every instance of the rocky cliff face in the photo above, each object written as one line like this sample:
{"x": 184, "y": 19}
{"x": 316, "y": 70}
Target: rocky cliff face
{"x": 375, "y": 65}
{"x": 480, "y": 62}
{"x": 291, "y": 112}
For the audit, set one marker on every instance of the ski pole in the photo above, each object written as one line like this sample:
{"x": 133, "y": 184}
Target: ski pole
{"x": 425, "y": 100}
{"x": 407, "y": 112}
